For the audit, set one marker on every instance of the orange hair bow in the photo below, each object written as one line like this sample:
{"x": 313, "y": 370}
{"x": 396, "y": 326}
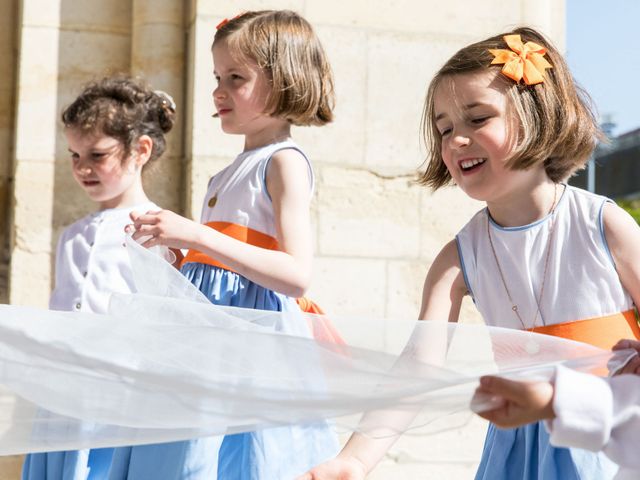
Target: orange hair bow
{"x": 523, "y": 61}
{"x": 226, "y": 20}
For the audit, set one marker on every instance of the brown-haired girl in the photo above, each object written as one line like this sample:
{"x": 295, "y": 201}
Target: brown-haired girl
{"x": 506, "y": 123}
{"x": 253, "y": 248}
{"x": 114, "y": 128}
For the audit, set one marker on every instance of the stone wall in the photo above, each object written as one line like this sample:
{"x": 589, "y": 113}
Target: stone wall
{"x": 375, "y": 231}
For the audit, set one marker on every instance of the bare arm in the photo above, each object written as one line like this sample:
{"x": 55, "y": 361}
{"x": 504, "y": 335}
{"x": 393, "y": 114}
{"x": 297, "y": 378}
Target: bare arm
{"x": 288, "y": 270}
{"x": 623, "y": 238}
{"x": 441, "y": 299}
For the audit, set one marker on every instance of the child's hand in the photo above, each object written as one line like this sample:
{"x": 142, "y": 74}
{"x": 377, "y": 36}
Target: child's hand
{"x": 524, "y": 402}
{"x": 336, "y": 469}
{"x": 163, "y": 227}
{"x": 632, "y": 365}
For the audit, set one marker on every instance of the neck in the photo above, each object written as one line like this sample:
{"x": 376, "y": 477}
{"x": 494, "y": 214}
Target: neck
{"x": 275, "y": 133}
{"x": 526, "y": 205}
{"x": 131, "y": 197}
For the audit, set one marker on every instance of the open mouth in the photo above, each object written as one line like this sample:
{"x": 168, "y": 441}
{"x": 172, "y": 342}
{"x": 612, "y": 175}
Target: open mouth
{"x": 90, "y": 183}
{"x": 471, "y": 164}
{"x": 223, "y": 111}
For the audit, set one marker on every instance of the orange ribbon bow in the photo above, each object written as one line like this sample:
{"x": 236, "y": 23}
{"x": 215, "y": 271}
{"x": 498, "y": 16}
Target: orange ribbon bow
{"x": 523, "y": 61}
{"x": 226, "y": 20}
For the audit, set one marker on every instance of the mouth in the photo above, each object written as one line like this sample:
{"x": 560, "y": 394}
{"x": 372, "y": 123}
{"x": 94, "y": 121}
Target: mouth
{"x": 90, "y": 183}
{"x": 468, "y": 165}
{"x": 223, "y": 111}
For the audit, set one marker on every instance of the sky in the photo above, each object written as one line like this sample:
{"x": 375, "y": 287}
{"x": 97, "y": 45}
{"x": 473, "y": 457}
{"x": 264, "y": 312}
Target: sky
{"x": 602, "y": 52}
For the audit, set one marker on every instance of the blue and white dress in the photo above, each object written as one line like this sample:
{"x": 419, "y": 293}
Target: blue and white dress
{"x": 237, "y": 204}
{"x": 91, "y": 263}
{"x": 581, "y": 286}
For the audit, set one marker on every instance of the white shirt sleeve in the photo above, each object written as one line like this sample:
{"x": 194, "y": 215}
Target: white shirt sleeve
{"x": 597, "y": 414}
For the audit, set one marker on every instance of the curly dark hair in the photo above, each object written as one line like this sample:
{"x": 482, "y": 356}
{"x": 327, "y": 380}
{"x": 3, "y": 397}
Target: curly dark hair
{"x": 124, "y": 108}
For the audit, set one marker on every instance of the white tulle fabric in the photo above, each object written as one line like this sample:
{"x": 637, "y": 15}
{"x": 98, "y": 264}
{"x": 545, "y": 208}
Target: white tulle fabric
{"x": 164, "y": 364}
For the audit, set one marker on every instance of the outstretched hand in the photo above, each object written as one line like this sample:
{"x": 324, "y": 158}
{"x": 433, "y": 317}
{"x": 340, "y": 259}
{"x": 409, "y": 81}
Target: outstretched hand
{"x": 632, "y": 365}
{"x": 522, "y": 402}
{"x": 163, "y": 227}
{"x": 336, "y": 469}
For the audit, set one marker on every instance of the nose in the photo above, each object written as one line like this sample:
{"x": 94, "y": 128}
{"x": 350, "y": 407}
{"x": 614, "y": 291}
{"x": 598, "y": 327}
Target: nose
{"x": 218, "y": 93}
{"x": 460, "y": 140}
{"x": 82, "y": 167}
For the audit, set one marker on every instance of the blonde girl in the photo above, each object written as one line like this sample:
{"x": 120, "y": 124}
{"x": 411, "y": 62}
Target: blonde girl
{"x": 505, "y": 122}
{"x": 253, "y": 247}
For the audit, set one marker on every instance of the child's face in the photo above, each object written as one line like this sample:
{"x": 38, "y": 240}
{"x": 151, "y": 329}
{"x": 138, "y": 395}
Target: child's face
{"x": 478, "y": 135}
{"x": 242, "y": 92}
{"x": 98, "y": 166}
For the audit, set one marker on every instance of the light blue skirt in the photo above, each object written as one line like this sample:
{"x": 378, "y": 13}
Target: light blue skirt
{"x": 274, "y": 453}
{"x": 525, "y": 453}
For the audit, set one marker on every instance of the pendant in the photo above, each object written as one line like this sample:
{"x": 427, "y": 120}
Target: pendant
{"x": 212, "y": 201}
{"x": 532, "y": 347}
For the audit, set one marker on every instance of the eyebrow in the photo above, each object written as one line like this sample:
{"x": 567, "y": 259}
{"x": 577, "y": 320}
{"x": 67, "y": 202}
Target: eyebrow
{"x": 469, "y": 106}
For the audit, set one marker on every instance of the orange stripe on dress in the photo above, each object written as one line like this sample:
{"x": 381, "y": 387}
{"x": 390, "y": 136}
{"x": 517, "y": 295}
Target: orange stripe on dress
{"x": 603, "y": 332}
{"x": 233, "y": 230}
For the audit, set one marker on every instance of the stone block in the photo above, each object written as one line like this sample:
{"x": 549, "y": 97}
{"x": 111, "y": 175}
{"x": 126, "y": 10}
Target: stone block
{"x": 404, "y": 290}
{"x": 411, "y": 16}
{"x": 168, "y": 12}
{"x": 221, "y": 10}
{"x": 442, "y": 214}
{"x": 396, "y": 89}
{"x": 349, "y": 286}
{"x": 363, "y": 215}
{"x": 30, "y": 276}
{"x": 33, "y": 196}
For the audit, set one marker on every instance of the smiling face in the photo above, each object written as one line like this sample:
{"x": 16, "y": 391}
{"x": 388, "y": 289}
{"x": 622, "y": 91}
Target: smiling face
{"x": 99, "y": 167}
{"x": 241, "y": 96}
{"x": 478, "y": 134}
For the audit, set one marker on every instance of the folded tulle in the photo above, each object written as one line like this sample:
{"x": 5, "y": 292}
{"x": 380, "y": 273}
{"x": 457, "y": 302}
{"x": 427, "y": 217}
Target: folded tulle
{"x": 164, "y": 364}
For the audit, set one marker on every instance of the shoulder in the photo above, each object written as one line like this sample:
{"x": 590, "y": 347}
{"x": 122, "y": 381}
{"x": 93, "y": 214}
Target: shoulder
{"x": 287, "y": 156}
{"x": 287, "y": 166}
{"x": 618, "y": 225}
{"x": 76, "y": 227}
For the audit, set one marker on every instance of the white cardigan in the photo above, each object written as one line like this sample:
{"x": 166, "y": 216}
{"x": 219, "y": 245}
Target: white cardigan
{"x": 92, "y": 261}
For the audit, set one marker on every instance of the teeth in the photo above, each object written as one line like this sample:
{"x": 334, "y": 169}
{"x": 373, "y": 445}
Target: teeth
{"x": 471, "y": 162}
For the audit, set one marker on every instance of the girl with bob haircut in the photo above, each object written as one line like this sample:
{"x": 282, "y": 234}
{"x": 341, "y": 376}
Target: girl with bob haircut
{"x": 253, "y": 248}
{"x": 505, "y": 122}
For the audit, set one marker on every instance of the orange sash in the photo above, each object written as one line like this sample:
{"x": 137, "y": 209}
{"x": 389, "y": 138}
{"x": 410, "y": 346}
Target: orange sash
{"x": 603, "y": 332}
{"x": 322, "y": 328}
{"x": 233, "y": 230}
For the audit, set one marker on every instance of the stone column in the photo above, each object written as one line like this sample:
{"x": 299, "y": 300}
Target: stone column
{"x": 35, "y": 146}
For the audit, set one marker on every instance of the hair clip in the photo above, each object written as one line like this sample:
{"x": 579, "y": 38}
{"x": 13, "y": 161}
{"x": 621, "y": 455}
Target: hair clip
{"x": 226, "y": 20}
{"x": 167, "y": 100}
{"x": 523, "y": 62}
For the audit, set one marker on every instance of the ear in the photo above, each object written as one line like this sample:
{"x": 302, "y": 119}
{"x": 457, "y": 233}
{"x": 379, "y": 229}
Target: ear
{"x": 143, "y": 150}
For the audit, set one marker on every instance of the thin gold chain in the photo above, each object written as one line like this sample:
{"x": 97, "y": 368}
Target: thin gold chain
{"x": 538, "y": 300}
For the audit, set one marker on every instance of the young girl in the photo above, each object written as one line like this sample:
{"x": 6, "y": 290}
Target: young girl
{"x": 506, "y": 123}
{"x": 114, "y": 129}
{"x": 253, "y": 248}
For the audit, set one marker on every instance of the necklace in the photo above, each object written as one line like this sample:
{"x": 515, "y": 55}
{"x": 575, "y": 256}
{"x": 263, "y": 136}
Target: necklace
{"x": 531, "y": 346}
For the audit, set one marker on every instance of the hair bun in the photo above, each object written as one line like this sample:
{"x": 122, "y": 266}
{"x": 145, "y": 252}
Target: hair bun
{"x": 166, "y": 99}
{"x": 166, "y": 115}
